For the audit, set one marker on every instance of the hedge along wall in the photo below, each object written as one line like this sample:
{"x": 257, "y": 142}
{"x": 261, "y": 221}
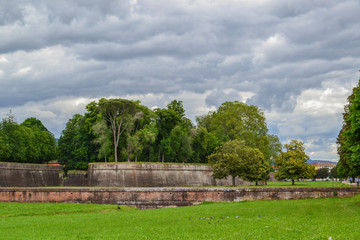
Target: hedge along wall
{"x": 154, "y": 175}
{"x": 164, "y": 197}
{"x": 29, "y": 175}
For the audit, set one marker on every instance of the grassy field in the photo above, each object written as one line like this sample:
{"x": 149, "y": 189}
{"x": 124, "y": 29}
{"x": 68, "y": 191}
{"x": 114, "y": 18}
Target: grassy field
{"x": 338, "y": 218}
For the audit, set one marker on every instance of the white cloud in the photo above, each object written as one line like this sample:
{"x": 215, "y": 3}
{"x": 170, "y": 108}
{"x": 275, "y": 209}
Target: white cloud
{"x": 267, "y": 49}
{"x": 322, "y": 102}
{"x": 23, "y": 71}
{"x": 316, "y": 120}
{"x": 3, "y": 59}
{"x": 297, "y": 60}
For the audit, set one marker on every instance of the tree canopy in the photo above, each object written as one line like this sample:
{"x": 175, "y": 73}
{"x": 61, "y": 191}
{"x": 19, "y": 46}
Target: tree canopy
{"x": 292, "y": 164}
{"x": 237, "y": 120}
{"x": 114, "y": 130}
{"x": 124, "y": 130}
{"x": 28, "y": 142}
{"x": 349, "y": 137}
{"x": 120, "y": 115}
{"x": 322, "y": 173}
{"x": 235, "y": 159}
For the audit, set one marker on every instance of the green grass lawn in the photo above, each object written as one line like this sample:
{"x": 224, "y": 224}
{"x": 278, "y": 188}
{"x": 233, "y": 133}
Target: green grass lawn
{"x": 287, "y": 219}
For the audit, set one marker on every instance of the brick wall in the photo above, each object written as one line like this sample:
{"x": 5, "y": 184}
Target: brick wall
{"x": 164, "y": 197}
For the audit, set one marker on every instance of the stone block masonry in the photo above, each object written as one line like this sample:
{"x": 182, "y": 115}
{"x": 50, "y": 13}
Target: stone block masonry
{"x": 29, "y": 175}
{"x": 112, "y": 175}
{"x": 164, "y": 197}
{"x": 155, "y": 175}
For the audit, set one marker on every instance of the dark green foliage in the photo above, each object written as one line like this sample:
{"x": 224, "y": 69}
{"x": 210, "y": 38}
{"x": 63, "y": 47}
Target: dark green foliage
{"x": 43, "y": 141}
{"x": 173, "y": 140}
{"x": 76, "y": 143}
{"x": 236, "y": 159}
{"x": 29, "y": 142}
{"x": 237, "y": 120}
{"x": 145, "y": 138}
{"x": 120, "y": 115}
{"x": 124, "y": 130}
{"x": 292, "y": 164}
{"x": 334, "y": 173}
{"x": 203, "y": 144}
{"x": 322, "y": 173}
{"x": 349, "y": 137}
{"x": 275, "y": 148}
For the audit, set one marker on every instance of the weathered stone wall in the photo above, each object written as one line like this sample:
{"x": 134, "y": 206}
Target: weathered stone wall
{"x": 77, "y": 179}
{"x": 272, "y": 177}
{"x": 29, "y": 175}
{"x": 112, "y": 175}
{"x": 165, "y": 197}
{"x": 154, "y": 175}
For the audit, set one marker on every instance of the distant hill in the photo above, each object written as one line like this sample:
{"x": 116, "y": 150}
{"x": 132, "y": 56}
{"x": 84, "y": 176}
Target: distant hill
{"x": 323, "y": 161}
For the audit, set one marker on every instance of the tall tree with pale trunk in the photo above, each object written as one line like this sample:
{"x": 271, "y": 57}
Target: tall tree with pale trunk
{"x": 119, "y": 114}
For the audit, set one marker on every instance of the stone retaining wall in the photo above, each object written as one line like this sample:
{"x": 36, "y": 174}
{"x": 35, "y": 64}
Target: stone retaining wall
{"x": 77, "y": 179}
{"x": 29, "y": 175}
{"x": 112, "y": 175}
{"x": 164, "y": 197}
{"x": 154, "y": 175}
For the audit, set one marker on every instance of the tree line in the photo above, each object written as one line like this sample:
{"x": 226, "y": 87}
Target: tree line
{"x": 113, "y": 130}
{"x": 234, "y": 140}
{"x": 28, "y": 142}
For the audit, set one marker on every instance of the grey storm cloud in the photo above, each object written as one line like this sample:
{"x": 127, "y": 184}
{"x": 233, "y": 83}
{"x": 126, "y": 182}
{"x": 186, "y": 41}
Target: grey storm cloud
{"x": 263, "y": 52}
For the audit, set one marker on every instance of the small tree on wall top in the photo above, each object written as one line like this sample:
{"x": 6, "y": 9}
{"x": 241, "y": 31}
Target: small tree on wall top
{"x": 236, "y": 159}
{"x": 292, "y": 164}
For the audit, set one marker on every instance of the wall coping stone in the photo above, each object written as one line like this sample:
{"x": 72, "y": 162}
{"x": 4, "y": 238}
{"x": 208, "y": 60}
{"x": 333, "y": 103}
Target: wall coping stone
{"x": 180, "y": 189}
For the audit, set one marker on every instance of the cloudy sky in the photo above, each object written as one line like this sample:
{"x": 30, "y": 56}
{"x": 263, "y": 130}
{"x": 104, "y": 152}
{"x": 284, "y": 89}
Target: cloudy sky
{"x": 297, "y": 60}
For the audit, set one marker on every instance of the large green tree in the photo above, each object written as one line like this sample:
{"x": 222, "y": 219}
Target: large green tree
{"x": 203, "y": 144}
{"x": 103, "y": 137}
{"x": 173, "y": 138}
{"x": 275, "y": 148}
{"x": 334, "y": 173}
{"x": 292, "y": 164}
{"x": 43, "y": 141}
{"x": 147, "y": 136}
{"x": 235, "y": 159}
{"x": 119, "y": 114}
{"x": 28, "y": 142}
{"x": 237, "y": 120}
{"x": 179, "y": 145}
{"x": 349, "y": 137}
{"x": 109, "y": 128}
{"x": 72, "y": 144}
{"x": 77, "y": 144}
{"x": 322, "y": 173}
